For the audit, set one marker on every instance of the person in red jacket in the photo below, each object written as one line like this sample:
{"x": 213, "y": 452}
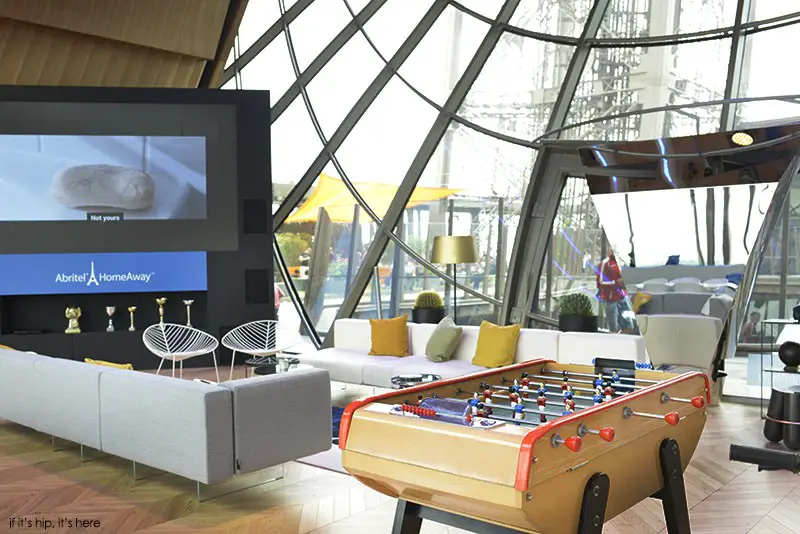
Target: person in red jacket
{"x": 611, "y": 292}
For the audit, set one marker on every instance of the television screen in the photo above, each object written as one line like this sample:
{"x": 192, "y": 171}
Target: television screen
{"x": 68, "y": 274}
{"x": 102, "y": 178}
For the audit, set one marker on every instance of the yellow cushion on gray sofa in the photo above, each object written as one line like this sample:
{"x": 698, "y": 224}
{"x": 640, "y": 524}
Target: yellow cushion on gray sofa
{"x": 443, "y": 341}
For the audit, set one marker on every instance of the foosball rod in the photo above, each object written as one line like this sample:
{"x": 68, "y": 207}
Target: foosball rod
{"x": 510, "y": 408}
{"x": 531, "y": 401}
{"x": 607, "y": 377}
{"x": 541, "y": 378}
{"x": 579, "y": 381}
{"x": 536, "y": 393}
{"x": 512, "y": 420}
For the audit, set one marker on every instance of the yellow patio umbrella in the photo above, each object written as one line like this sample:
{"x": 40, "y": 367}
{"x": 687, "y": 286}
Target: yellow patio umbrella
{"x": 333, "y": 195}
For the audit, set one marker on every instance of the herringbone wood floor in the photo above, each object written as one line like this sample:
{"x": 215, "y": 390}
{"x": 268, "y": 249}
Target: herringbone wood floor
{"x": 39, "y": 482}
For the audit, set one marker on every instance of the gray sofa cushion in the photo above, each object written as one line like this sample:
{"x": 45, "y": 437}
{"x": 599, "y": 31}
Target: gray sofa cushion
{"x": 675, "y": 304}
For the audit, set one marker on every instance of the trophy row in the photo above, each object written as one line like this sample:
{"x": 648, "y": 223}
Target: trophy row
{"x": 74, "y": 313}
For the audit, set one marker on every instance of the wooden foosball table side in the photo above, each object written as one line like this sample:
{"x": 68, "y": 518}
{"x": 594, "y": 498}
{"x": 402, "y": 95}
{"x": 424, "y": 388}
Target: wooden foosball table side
{"x": 482, "y": 474}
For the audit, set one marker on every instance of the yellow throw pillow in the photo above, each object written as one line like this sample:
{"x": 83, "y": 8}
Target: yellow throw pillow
{"x": 389, "y": 336}
{"x": 640, "y": 299}
{"x": 6, "y": 347}
{"x": 497, "y": 345}
{"x": 127, "y": 366}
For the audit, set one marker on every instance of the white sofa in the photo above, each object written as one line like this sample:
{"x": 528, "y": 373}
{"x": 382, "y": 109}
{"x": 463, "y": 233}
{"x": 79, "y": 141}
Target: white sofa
{"x": 205, "y": 432}
{"x": 349, "y": 360}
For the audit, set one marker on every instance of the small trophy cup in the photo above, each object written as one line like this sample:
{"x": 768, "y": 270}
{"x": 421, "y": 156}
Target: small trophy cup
{"x": 110, "y": 312}
{"x": 161, "y": 301}
{"x": 131, "y": 309}
{"x": 188, "y": 304}
{"x": 73, "y": 314}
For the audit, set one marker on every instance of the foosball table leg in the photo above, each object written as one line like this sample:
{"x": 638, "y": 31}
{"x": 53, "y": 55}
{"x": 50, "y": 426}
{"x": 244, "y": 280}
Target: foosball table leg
{"x": 408, "y": 520}
{"x": 593, "y": 507}
{"x": 673, "y": 495}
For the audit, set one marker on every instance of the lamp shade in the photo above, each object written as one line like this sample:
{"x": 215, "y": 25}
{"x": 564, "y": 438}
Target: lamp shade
{"x": 451, "y": 249}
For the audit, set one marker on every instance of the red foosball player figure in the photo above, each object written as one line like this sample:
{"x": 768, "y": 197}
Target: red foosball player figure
{"x": 481, "y": 410}
{"x": 525, "y": 380}
{"x": 542, "y": 418}
{"x": 419, "y": 399}
{"x": 570, "y": 404}
{"x": 513, "y": 398}
{"x": 487, "y": 396}
{"x": 565, "y": 384}
{"x": 608, "y": 392}
{"x": 541, "y": 402}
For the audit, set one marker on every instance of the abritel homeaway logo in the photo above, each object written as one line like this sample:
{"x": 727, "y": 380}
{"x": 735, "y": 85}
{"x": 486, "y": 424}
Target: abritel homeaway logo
{"x": 96, "y": 277}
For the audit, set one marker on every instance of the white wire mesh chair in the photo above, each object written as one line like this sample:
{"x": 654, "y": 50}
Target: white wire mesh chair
{"x": 259, "y": 339}
{"x": 178, "y": 342}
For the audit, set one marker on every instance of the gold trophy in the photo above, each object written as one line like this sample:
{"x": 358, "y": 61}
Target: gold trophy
{"x": 73, "y": 314}
{"x": 188, "y": 304}
{"x": 110, "y": 312}
{"x": 161, "y": 301}
{"x": 131, "y": 309}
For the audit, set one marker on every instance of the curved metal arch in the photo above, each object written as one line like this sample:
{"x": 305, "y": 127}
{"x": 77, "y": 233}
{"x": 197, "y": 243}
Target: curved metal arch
{"x": 353, "y": 190}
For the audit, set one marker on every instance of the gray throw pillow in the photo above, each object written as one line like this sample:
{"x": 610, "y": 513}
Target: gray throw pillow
{"x": 443, "y": 341}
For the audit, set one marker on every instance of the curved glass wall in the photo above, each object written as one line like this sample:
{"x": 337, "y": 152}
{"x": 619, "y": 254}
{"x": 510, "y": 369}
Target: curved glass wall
{"x": 456, "y": 152}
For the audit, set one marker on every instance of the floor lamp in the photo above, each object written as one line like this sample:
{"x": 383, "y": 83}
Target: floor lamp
{"x": 454, "y": 250}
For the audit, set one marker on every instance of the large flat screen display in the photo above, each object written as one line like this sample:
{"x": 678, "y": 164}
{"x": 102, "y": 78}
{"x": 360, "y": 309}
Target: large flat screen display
{"x": 102, "y": 178}
{"x": 68, "y": 274}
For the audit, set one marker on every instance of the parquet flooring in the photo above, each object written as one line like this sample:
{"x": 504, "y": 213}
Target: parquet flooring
{"x": 38, "y": 482}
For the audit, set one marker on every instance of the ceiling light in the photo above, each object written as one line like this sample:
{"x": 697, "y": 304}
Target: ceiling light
{"x": 742, "y": 139}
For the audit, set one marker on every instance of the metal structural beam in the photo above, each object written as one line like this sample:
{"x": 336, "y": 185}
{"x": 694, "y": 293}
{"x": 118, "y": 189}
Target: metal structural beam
{"x": 357, "y": 111}
{"x": 262, "y": 42}
{"x": 735, "y": 65}
{"x": 325, "y": 56}
{"x": 417, "y": 167}
{"x": 538, "y": 211}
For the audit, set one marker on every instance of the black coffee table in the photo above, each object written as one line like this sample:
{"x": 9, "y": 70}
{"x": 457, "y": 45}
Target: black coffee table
{"x": 413, "y": 379}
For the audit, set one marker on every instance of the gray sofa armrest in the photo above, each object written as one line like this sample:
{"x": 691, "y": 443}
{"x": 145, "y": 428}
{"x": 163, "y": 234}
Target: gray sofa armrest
{"x": 280, "y": 417}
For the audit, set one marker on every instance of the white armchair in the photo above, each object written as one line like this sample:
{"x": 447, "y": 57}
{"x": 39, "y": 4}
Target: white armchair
{"x": 177, "y": 342}
{"x": 258, "y": 338}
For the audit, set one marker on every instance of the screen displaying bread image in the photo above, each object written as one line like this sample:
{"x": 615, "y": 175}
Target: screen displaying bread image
{"x": 102, "y": 178}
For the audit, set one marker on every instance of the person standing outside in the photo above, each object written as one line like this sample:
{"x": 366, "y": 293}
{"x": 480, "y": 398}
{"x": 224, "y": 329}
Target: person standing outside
{"x": 611, "y": 291}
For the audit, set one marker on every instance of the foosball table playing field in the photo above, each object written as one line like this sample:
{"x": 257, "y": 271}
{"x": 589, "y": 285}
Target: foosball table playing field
{"x": 536, "y": 447}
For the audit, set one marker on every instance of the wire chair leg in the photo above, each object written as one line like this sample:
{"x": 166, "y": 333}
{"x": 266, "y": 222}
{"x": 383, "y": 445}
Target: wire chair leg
{"x": 216, "y": 369}
{"x": 173, "y": 367}
{"x": 181, "y": 371}
{"x": 233, "y": 360}
{"x": 159, "y": 366}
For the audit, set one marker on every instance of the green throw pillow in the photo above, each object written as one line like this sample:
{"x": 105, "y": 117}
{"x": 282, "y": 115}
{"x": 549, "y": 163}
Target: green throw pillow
{"x": 443, "y": 341}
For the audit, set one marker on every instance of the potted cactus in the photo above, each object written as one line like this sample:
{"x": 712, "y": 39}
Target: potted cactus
{"x": 575, "y": 313}
{"x": 428, "y": 308}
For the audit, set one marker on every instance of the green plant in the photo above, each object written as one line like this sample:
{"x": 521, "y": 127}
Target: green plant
{"x": 292, "y": 246}
{"x": 428, "y": 299}
{"x": 575, "y": 304}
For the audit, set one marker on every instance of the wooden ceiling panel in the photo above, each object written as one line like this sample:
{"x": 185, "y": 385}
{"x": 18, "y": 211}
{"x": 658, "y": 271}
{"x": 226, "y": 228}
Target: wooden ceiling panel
{"x": 131, "y": 43}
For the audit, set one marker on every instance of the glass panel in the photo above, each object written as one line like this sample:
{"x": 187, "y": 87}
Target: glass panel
{"x": 641, "y": 18}
{"x": 766, "y": 9}
{"x": 384, "y": 142}
{"x": 759, "y": 68}
{"x": 230, "y": 59}
{"x": 316, "y": 27}
{"x": 618, "y": 80}
{"x": 393, "y": 23}
{"x": 271, "y": 69}
{"x": 320, "y": 247}
{"x": 258, "y": 16}
{"x": 342, "y": 81}
{"x": 295, "y": 144}
{"x": 581, "y": 260}
{"x": 556, "y": 17}
{"x": 375, "y": 297}
{"x": 443, "y": 54}
{"x": 515, "y": 92}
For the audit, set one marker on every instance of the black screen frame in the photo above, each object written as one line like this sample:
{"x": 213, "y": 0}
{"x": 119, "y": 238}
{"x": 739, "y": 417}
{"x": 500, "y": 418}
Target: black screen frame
{"x": 236, "y": 125}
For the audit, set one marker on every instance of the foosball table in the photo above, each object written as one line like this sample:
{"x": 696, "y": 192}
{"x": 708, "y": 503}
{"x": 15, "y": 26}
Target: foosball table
{"x": 536, "y": 447}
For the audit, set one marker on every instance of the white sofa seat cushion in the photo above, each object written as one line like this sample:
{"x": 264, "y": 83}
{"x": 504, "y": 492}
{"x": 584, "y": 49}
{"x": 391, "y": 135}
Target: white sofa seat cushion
{"x": 69, "y": 399}
{"x": 583, "y": 347}
{"x": 280, "y": 417}
{"x": 343, "y": 365}
{"x": 534, "y": 344}
{"x": 380, "y": 374}
{"x": 17, "y": 402}
{"x": 180, "y": 426}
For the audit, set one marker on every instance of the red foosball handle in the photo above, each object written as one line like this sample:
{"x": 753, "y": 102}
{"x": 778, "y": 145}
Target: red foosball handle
{"x": 672, "y": 418}
{"x": 698, "y": 402}
{"x": 574, "y": 443}
{"x": 607, "y": 434}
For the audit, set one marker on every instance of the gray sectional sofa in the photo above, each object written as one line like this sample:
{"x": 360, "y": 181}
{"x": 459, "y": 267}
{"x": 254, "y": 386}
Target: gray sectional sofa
{"x": 208, "y": 433}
